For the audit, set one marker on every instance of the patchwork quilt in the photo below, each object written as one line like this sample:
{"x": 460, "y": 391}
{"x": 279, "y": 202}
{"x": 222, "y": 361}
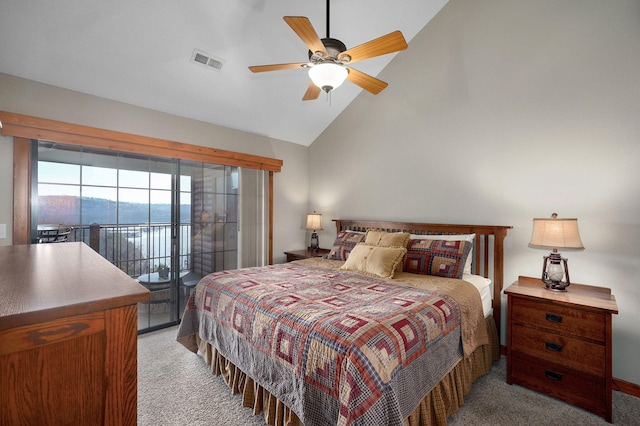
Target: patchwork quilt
{"x": 336, "y": 347}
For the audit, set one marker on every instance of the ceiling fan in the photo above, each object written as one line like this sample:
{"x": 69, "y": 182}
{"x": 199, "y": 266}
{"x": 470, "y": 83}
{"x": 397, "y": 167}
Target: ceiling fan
{"x": 329, "y": 58}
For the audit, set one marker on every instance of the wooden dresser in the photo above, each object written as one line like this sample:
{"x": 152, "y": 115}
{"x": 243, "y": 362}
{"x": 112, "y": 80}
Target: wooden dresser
{"x": 559, "y": 343}
{"x": 68, "y": 337}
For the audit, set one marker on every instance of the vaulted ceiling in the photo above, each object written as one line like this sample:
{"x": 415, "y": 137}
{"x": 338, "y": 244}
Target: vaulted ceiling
{"x": 140, "y": 52}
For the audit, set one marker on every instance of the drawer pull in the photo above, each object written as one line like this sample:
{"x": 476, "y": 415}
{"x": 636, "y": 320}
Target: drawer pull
{"x": 553, "y": 375}
{"x": 554, "y": 318}
{"x": 556, "y": 347}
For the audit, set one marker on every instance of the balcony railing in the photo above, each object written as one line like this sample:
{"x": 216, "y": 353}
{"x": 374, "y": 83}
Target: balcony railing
{"x": 135, "y": 249}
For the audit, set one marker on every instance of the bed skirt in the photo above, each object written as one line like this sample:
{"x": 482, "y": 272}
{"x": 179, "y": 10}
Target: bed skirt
{"x": 441, "y": 402}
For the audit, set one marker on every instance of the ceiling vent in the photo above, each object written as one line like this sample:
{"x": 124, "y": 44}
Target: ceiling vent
{"x": 204, "y": 59}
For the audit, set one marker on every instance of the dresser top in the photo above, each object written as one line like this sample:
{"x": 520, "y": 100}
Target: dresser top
{"x": 576, "y": 294}
{"x": 39, "y": 282}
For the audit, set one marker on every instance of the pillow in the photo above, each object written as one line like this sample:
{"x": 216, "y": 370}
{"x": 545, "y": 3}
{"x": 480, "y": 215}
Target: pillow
{"x": 374, "y": 260}
{"x": 386, "y": 239}
{"x": 455, "y": 237}
{"x": 444, "y": 258}
{"x": 343, "y": 244}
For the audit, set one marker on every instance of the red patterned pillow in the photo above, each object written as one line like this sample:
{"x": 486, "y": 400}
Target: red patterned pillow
{"x": 436, "y": 257}
{"x": 344, "y": 243}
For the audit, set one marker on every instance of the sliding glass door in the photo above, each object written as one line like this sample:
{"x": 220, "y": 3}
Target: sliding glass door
{"x": 209, "y": 240}
{"x": 164, "y": 222}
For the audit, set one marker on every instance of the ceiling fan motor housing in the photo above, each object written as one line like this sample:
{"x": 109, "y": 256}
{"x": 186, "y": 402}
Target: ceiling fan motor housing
{"x": 333, "y": 46}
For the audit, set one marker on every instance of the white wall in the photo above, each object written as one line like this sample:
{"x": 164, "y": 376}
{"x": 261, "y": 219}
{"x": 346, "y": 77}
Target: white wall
{"x": 501, "y": 111}
{"x": 40, "y": 100}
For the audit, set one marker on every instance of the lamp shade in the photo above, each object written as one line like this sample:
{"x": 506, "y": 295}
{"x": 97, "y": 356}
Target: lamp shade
{"x": 328, "y": 76}
{"x": 314, "y": 221}
{"x": 555, "y": 233}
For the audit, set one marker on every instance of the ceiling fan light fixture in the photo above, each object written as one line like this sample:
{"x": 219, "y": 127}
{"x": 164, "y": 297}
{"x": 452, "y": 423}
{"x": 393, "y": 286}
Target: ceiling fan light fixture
{"x": 328, "y": 76}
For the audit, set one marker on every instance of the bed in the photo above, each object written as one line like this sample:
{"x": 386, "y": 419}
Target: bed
{"x": 392, "y": 328}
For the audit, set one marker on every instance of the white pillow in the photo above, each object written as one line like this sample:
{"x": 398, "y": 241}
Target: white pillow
{"x": 457, "y": 237}
{"x": 484, "y": 288}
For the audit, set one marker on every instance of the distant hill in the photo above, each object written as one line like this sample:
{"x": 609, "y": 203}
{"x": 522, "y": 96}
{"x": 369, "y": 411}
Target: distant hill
{"x": 63, "y": 209}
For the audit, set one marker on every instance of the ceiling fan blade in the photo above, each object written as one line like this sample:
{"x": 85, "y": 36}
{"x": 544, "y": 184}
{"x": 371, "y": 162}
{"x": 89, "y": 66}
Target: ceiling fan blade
{"x": 312, "y": 92}
{"x": 368, "y": 83}
{"x": 276, "y": 67}
{"x": 392, "y": 42}
{"x": 302, "y": 26}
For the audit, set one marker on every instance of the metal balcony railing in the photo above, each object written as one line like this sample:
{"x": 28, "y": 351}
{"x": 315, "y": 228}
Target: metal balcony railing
{"x": 135, "y": 249}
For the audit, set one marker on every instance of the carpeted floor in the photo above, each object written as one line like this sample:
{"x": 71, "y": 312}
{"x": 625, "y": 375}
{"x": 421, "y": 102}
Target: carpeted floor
{"x": 176, "y": 388}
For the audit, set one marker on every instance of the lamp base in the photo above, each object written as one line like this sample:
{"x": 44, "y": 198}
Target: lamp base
{"x": 554, "y": 276}
{"x": 314, "y": 242}
{"x": 555, "y": 286}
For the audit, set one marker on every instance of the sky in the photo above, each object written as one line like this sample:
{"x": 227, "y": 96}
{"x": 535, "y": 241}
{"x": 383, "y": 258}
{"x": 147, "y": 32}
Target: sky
{"x": 102, "y": 182}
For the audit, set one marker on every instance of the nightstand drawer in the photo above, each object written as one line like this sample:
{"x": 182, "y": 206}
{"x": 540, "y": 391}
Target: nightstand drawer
{"x": 575, "y": 387}
{"x": 578, "y": 322}
{"x": 565, "y": 350}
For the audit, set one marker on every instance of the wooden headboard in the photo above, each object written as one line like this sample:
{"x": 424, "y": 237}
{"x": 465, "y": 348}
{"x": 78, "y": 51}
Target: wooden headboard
{"x": 488, "y": 247}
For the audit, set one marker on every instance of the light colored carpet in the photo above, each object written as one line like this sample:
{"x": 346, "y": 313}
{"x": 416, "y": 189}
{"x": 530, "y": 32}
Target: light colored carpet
{"x": 175, "y": 387}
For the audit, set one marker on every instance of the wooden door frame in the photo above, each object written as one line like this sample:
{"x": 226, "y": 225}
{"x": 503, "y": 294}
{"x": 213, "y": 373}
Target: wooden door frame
{"x": 24, "y": 128}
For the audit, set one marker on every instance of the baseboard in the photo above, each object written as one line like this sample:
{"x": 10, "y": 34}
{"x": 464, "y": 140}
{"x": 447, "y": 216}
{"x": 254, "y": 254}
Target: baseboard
{"x": 626, "y": 387}
{"x": 617, "y": 384}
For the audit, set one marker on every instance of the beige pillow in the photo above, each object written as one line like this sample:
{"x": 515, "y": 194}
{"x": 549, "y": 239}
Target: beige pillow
{"x": 386, "y": 239}
{"x": 374, "y": 260}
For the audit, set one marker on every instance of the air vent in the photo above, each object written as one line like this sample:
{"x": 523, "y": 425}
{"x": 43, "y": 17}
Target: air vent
{"x": 203, "y": 58}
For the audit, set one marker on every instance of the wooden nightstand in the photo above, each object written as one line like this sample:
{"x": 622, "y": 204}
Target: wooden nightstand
{"x": 305, "y": 254}
{"x": 559, "y": 343}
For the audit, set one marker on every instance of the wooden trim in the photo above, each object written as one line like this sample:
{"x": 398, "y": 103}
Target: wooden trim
{"x": 21, "y": 190}
{"x": 608, "y": 368}
{"x": 270, "y": 218}
{"x": 626, "y": 387}
{"x": 24, "y": 126}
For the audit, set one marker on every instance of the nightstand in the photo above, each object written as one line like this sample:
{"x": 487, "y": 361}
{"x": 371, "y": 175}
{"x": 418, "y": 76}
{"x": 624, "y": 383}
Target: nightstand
{"x": 559, "y": 343}
{"x": 305, "y": 254}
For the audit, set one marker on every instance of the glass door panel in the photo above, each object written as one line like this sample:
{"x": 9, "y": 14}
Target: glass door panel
{"x": 157, "y": 240}
{"x": 208, "y": 222}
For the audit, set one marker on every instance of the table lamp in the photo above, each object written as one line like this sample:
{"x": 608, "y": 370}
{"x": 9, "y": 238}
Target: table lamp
{"x": 555, "y": 233}
{"x": 314, "y": 223}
